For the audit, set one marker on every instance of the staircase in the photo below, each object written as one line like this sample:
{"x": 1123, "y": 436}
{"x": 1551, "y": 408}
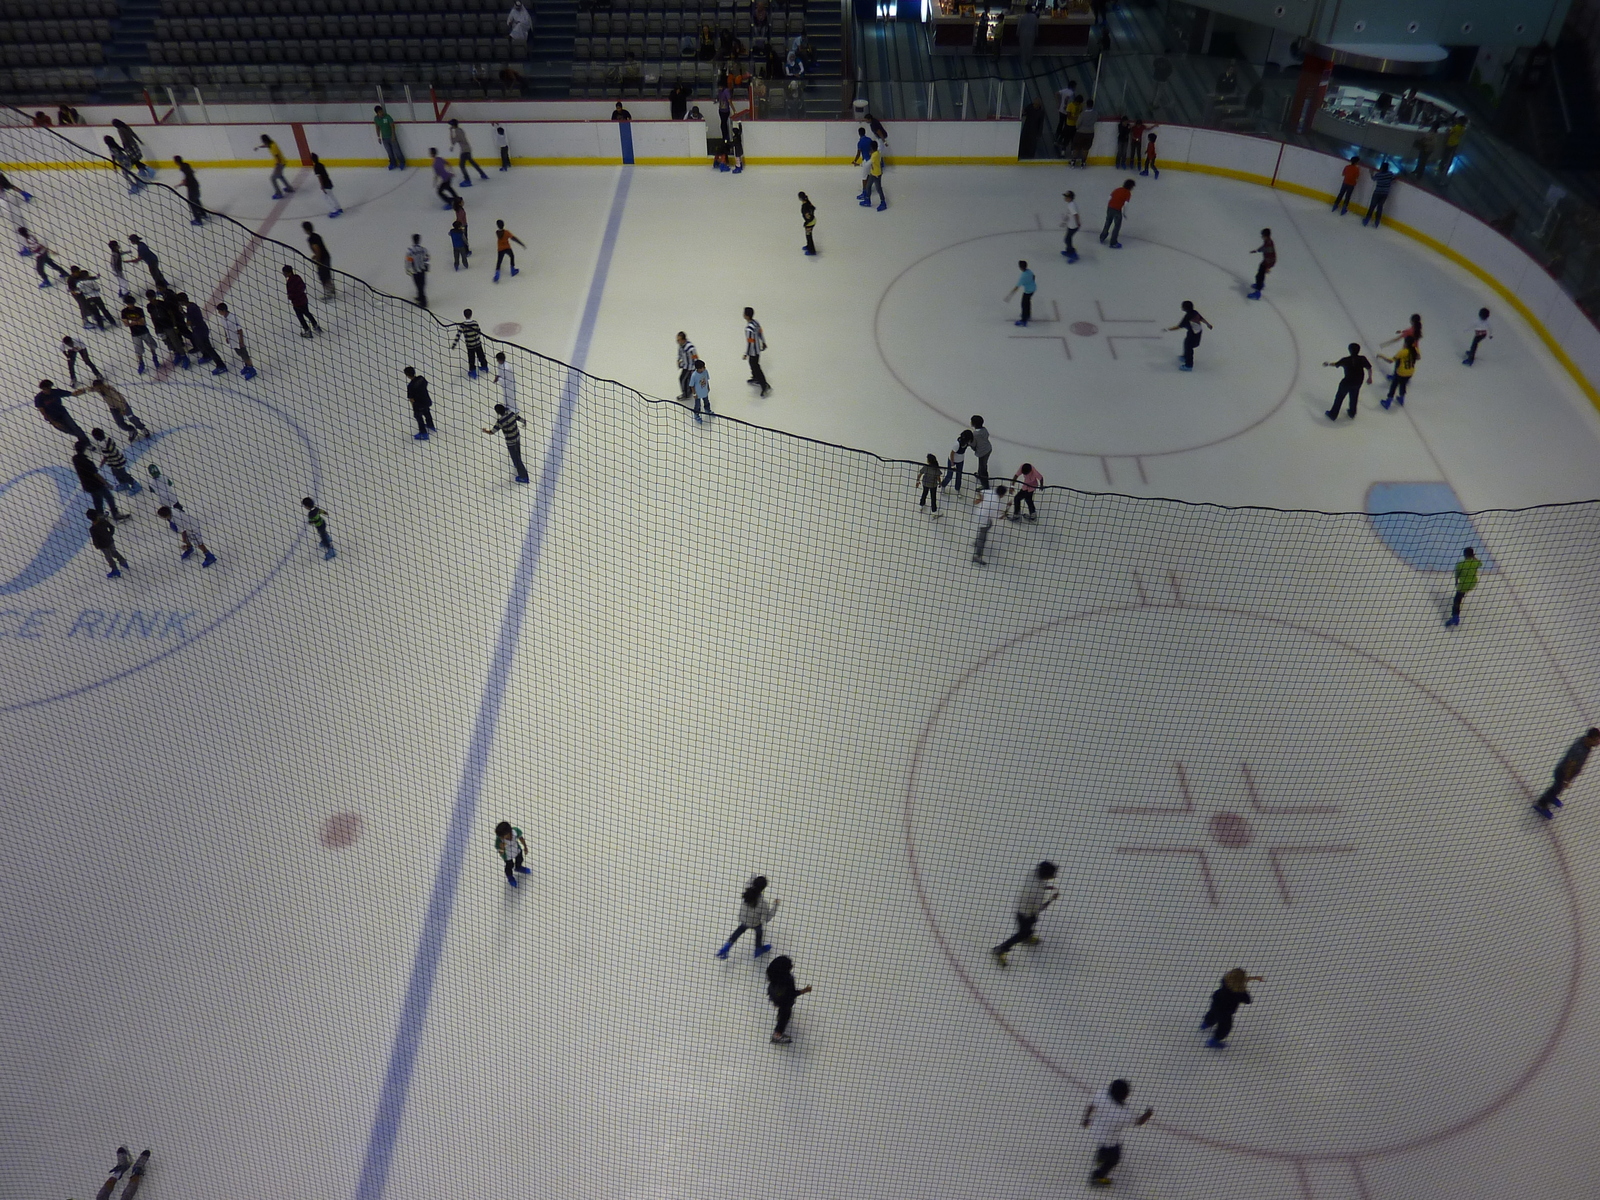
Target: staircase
{"x": 549, "y": 67}
{"x": 825, "y": 82}
{"x": 130, "y": 31}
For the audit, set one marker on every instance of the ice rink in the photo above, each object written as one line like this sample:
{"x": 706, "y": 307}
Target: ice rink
{"x": 255, "y": 920}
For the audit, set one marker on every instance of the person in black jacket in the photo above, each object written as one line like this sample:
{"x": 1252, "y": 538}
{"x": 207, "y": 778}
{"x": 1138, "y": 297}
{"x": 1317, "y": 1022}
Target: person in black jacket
{"x": 421, "y": 403}
{"x": 782, "y": 992}
{"x": 90, "y": 479}
{"x": 104, "y": 536}
{"x": 1225, "y": 1002}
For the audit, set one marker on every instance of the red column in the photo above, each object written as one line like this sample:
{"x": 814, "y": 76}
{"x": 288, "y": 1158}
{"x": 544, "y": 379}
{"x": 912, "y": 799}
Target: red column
{"x": 1309, "y": 91}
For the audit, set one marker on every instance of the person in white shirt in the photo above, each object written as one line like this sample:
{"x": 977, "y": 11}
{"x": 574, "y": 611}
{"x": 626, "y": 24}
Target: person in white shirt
{"x": 754, "y": 913}
{"x": 686, "y": 357}
{"x": 1107, "y": 1118}
{"x": 233, "y": 334}
{"x": 162, "y": 487}
{"x": 700, "y": 385}
{"x": 503, "y": 144}
{"x": 991, "y": 506}
{"x": 754, "y": 343}
{"x": 188, "y": 531}
{"x": 957, "y": 461}
{"x": 519, "y": 23}
{"x": 1481, "y": 331}
{"x": 1037, "y": 894}
{"x": 1071, "y": 221}
{"x": 507, "y": 379}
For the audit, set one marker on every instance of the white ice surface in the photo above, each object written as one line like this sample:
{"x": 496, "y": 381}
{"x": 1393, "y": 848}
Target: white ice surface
{"x": 743, "y": 656}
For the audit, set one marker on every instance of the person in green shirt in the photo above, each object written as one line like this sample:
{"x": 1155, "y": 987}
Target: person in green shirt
{"x": 509, "y": 844}
{"x": 318, "y": 520}
{"x": 1466, "y": 580}
{"x": 384, "y": 124}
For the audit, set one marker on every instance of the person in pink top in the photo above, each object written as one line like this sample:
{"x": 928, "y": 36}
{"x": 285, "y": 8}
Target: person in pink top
{"x": 1027, "y": 480}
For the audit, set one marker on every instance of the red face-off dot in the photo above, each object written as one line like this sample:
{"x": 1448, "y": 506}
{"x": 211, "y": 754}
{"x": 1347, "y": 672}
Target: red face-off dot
{"x": 341, "y": 831}
{"x": 1085, "y": 328}
{"x": 1230, "y": 830}
{"x": 507, "y": 329}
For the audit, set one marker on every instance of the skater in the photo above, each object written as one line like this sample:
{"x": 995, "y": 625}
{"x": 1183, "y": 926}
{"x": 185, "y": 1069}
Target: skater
{"x": 928, "y": 477}
{"x": 700, "y": 385}
{"x": 1354, "y": 365}
{"x": 1382, "y": 183}
{"x": 1027, "y": 285}
{"x": 506, "y": 422}
{"x": 139, "y": 329}
{"x": 754, "y": 913}
{"x": 119, "y": 158}
{"x": 383, "y": 124}
{"x": 48, "y": 401}
{"x": 119, "y": 264}
{"x": 1150, "y": 167}
{"x": 1083, "y": 137}
{"x": 188, "y": 533}
{"x": 1405, "y": 366}
{"x": 417, "y": 268}
{"x": 875, "y": 180}
{"x": 1412, "y": 330}
{"x": 467, "y": 164}
{"x": 103, "y": 537}
{"x": 503, "y": 252}
{"x": 1269, "y": 259}
{"x": 754, "y": 344}
{"x": 1107, "y": 1118}
{"x": 957, "y": 461}
{"x": 510, "y": 845}
{"x": 503, "y": 144}
{"x": 1115, "y": 209}
{"x": 295, "y": 285}
{"x": 320, "y": 258}
{"x": 86, "y": 288}
{"x": 459, "y": 207}
{"x": 1027, "y": 481}
{"x": 33, "y": 247}
{"x": 114, "y": 460}
{"x": 444, "y": 178}
{"x": 1466, "y": 579}
{"x": 124, "y": 1161}
{"x": 1124, "y": 128}
{"x": 162, "y": 487}
{"x": 191, "y": 189}
{"x": 982, "y": 447}
{"x": 199, "y": 333}
{"x": 781, "y": 990}
{"x": 507, "y": 379}
{"x": 686, "y": 357}
{"x": 164, "y": 324}
{"x": 325, "y": 182}
{"x": 459, "y": 252}
{"x": 279, "y": 181}
{"x": 991, "y": 506}
{"x": 1071, "y": 221}
{"x": 318, "y": 520}
{"x": 736, "y": 148}
{"x": 1225, "y": 1001}
{"x": 74, "y": 349}
{"x": 143, "y": 253}
{"x": 92, "y": 482}
{"x": 1190, "y": 323}
{"x": 1038, "y": 894}
{"x": 1568, "y": 769}
{"x": 468, "y": 330}
{"x": 133, "y": 147}
{"x": 808, "y": 220}
{"x": 233, "y": 332}
{"x": 117, "y": 403}
{"x": 1481, "y": 331}
{"x": 421, "y": 404}
{"x": 1349, "y": 177}
{"x": 863, "y": 159}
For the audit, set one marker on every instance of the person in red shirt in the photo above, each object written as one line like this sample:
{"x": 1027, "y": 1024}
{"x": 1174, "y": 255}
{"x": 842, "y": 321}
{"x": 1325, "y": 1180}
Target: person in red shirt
{"x": 1269, "y": 259}
{"x": 1113, "y": 226}
{"x": 295, "y": 285}
{"x": 1351, "y": 175}
{"x": 1150, "y": 167}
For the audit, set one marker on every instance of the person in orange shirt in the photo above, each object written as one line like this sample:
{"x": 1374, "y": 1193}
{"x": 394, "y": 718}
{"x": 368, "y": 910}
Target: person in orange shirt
{"x": 1114, "y": 206}
{"x": 503, "y": 238}
{"x": 1351, "y": 176}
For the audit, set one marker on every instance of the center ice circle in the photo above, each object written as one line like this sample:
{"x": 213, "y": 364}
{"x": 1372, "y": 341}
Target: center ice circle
{"x": 1223, "y": 790}
{"x": 1095, "y": 372}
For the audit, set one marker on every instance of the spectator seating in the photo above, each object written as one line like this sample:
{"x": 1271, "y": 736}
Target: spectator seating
{"x": 42, "y": 10}
{"x": 25, "y": 42}
{"x": 648, "y": 47}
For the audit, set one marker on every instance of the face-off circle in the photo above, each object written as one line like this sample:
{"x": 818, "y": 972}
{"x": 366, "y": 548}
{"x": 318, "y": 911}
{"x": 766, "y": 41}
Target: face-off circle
{"x": 1094, "y": 372}
{"x": 1219, "y": 790}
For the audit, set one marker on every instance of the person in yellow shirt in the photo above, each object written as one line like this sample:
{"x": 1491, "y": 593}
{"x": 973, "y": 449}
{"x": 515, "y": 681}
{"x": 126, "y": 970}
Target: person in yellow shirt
{"x": 874, "y": 180}
{"x": 277, "y": 178}
{"x": 1405, "y": 366}
{"x": 1452, "y": 146}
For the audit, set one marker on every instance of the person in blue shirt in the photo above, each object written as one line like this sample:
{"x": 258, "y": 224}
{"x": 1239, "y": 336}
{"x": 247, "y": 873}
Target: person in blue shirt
{"x": 864, "y": 148}
{"x": 1027, "y": 285}
{"x": 458, "y": 247}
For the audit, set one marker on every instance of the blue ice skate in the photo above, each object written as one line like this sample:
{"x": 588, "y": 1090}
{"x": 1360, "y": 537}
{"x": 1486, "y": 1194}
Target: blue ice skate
{"x": 760, "y": 950}
{"x": 248, "y": 372}
{"x": 116, "y": 574}
{"x": 1216, "y": 1045}
{"x": 330, "y": 552}
{"x": 219, "y": 369}
{"x": 187, "y": 554}
{"x": 209, "y": 560}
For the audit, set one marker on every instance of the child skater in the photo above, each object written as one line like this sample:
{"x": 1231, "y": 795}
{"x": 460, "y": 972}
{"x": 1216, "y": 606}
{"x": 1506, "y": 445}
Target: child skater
{"x": 1150, "y": 167}
{"x": 754, "y": 913}
{"x": 781, "y": 990}
{"x": 1269, "y": 259}
{"x": 958, "y": 460}
{"x": 318, "y": 520}
{"x": 510, "y": 845}
{"x": 1481, "y": 331}
{"x": 1190, "y": 323}
{"x": 1225, "y": 1001}
{"x": 1038, "y": 894}
{"x": 1405, "y": 366}
{"x": 928, "y": 477}
{"x": 188, "y": 531}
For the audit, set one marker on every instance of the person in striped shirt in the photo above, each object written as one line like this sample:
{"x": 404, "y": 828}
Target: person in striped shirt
{"x": 417, "y": 267}
{"x": 114, "y": 460}
{"x": 510, "y": 845}
{"x": 507, "y": 422}
{"x": 318, "y": 520}
{"x": 754, "y": 344}
{"x": 1382, "y": 185}
{"x": 1269, "y": 259}
{"x": 469, "y": 331}
{"x": 686, "y": 356}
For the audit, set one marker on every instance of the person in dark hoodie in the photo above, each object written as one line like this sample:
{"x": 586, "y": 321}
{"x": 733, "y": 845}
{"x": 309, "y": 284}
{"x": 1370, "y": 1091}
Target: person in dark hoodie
{"x": 1225, "y": 1002}
{"x": 782, "y": 992}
